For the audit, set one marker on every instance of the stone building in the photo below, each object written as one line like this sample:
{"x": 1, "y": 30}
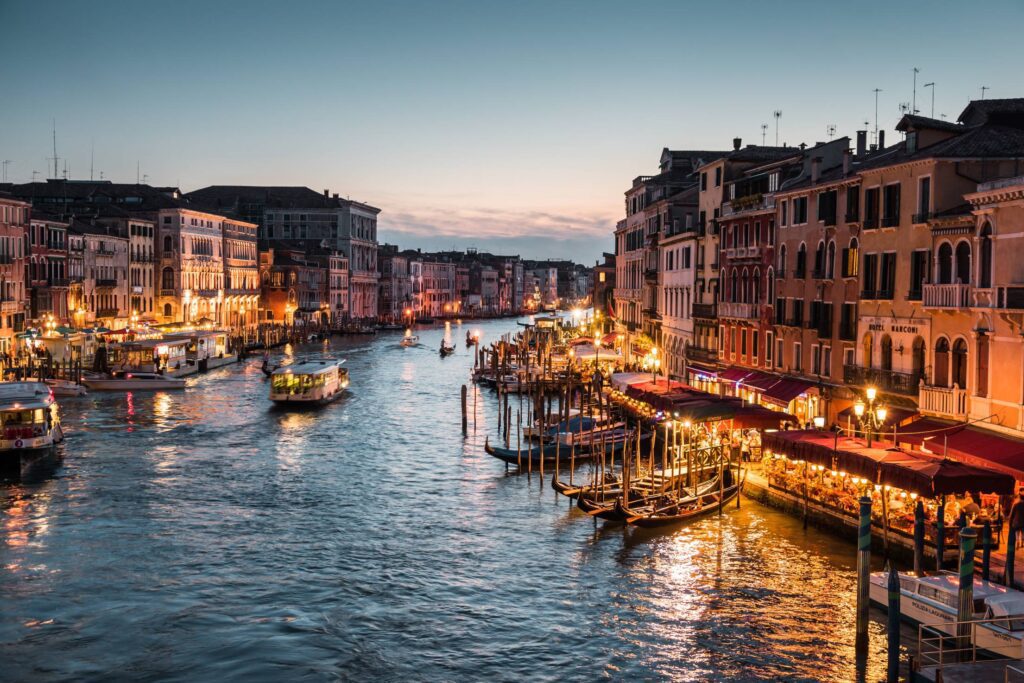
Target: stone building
{"x": 14, "y": 226}
{"x": 47, "y": 268}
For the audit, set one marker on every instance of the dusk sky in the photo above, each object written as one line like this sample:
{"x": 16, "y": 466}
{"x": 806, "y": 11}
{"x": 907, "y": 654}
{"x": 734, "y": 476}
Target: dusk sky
{"x": 511, "y": 126}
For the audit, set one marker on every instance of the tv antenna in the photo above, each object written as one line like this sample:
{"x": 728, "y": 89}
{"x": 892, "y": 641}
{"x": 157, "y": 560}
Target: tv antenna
{"x": 830, "y": 130}
{"x": 876, "y": 91}
{"x": 983, "y": 89}
{"x": 34, "y": 174}
{"x": 6, "y": 163}
{"x": 54, "y": 158}
{"x": 913, "y": 106}
{"x": 764, "y": 131}
{"x": 778, "y": 115}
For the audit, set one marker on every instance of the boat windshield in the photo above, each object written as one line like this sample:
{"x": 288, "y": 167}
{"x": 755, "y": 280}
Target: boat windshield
{"x": 23, "y": 424}
{"x": 297, "y": 384}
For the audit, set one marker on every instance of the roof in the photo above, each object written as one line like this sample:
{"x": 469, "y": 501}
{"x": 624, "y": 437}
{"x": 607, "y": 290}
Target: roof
{"x": 270, "y": 196}
{"x": 914, "y": 121}
{"x": 129, "y": 196}
{"x": 1008, "y": 111}
{"x": 315, "y": 367}
{"x": 979, "y": 142}
{"x": 29, "y": 394}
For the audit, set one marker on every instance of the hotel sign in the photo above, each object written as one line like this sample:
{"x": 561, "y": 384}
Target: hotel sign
{"x": 895, "y": 328}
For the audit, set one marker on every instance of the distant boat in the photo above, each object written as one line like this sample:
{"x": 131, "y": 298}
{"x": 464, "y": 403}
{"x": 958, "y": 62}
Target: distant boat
{"x": 411, "y": 340}
{"x": 63, "y": 387}
{"x": 446, "y": 350}
{"x": 133, "y": 381}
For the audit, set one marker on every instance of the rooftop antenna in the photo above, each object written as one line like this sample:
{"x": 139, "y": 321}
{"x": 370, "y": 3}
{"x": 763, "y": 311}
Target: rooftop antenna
{"x": 34, "y": 174}
{"x": 830, "y": 130}
{"x": 913, "y": 105}
{"x": 92, "y": 157}
{"x": 764, "y": 132}
{"x": 876, "y": 91}
{"x": 136, "y": 171}
{"x": 6, "y": 163}
{"x": 932, "y": 86}
{"x": 983, "y": 89}
{"x": 54, "y": 157}
{"x": 65, "y": 169}
{"x": 778, "y": 115}
{"x": 145, "y": 177}
{"x": 101, "y": 175}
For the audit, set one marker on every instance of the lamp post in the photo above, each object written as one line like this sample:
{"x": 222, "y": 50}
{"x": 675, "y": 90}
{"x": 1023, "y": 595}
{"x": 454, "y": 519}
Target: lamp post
{"x": 870, "y": 416}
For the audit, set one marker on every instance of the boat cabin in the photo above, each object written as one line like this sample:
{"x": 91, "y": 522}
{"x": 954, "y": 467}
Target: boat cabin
{"x": 204, "y": 344}
{"x": 312, "y": 381}
{"x": 28, "y": 415}
{"x": 1006, "y": 611}
{"x": 149, "y": 355}
{"x": 944, "y": 588}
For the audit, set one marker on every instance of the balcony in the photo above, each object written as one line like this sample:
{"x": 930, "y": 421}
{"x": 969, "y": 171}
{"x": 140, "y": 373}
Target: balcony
{"x": 107, "y": 313}
{"x": 105, "y": 251}
{"x": 871, "y": 223}
{"x": 921, "y": 218}
{"x": 754, "y": 202}
{"x": 58, "y": 282}
{"x": 734, "y": 309}
{"x": 890, "y": 221}
{"x": 705, "y": 311}
{"x": 942, "y": 401}
{"x": 700, "y": 355}
{"x": 884, "y": 380}
{"x": 106, "y": 282}
{"x": 953, "y": 297}
{"x": 167, "y": 292}
{"x": 736, "y": 253}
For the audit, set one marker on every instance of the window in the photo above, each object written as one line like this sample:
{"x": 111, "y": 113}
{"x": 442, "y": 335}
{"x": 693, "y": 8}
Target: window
{"x": 778, "y": 353}
{"x": 870, "y": 276}
{"x": 768, "y": 348}
{"x": 815, "y": 360}
{"x": 773, "y": 182}
{"x": 703, "y": 181}
{"x": 985, "y": 279}
{"x": 830, "y": 261}
{"x": 871, "y": 208}
{"x": 801, "y": 261}
{"x": 799, "y": 210}
{"x": 887, "y": 283}
{"x": 851, "y": 259}
{"x": 891, "y": 206}
{"x": 718, "y": 176}
{"x": 797, "y": 357}
{"x": 827, "y": 207}
{"x": 754, "y": 339}
{"x": 743, "y": 342}
{"x": 924, "y": 199}
{"x": 918, "y": 273}
{"x": 784, "y": 219}
{"x": 826, "y": 360}
{"x": 848, "y": 357}
{"x": 852, "y": 204}
{"x": 782, "y": 261}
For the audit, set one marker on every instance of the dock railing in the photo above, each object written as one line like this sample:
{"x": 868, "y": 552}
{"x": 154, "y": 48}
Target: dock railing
{"x": 948, "y": 643}
{"x": 1014, "y": 674}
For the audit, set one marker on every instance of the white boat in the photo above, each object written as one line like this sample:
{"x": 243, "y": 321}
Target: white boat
{"x": 133, "y": 381}
{"x": 64, "y": 387}
{"x": 309, "y": 383}
{"x": 932, "y": 601}
{"x": 29, "y": 420}
{"x": 409, "y": 340}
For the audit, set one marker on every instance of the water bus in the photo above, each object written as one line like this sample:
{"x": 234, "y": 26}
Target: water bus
{"x": 29, "y": 422}
{"x": 308, "y": 383}
{"x": 132, "y": 381}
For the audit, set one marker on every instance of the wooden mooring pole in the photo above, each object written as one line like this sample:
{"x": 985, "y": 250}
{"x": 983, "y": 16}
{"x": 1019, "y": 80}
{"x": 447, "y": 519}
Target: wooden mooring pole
{"x": 893, "y": 627}
{"x": 863, "y": 575}
{"x": 465, "y": 420}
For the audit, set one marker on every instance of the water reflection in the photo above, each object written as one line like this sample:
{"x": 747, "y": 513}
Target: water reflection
{"x": 372, "y": 539}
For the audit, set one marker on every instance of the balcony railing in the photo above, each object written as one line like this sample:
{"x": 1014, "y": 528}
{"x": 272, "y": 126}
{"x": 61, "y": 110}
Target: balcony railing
{"x": 890, "y": 221}
{"x": 105, "y": 282}
{"x": 942, "y": 401}
{"x": 735, "y": 309}
{"x": 167, "y": 292}
{"x": 886, "y": 380}
{"x": 58, "y": 282}
{"x": 105, "y": 251}
{"x": 700, "y": 355}
{"x": 955, "y": 297}
{"x": 705, "y": 311}
{"x": 755, "y": 202}
{"x": 871, "y": 223}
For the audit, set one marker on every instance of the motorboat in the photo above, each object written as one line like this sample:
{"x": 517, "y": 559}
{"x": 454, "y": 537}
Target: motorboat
{"x": 308, "y": 383}
{"x": 409, "y": 339}
{"x": 133, "y": 381}
{"x": 29, "y": 420}
{"x": 65, "y": 387}
{"x": 932, "y": 601}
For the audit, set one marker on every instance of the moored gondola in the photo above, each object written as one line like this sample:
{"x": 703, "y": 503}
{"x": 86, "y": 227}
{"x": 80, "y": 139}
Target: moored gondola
{"x": 667, "y": 510}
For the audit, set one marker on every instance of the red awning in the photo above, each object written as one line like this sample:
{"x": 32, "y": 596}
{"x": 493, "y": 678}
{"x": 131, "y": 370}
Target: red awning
{"x": 609, "y": 338}
{"x": 785, "y": 390}
{"x": 581, "y": 340}
{"x": 734, "y": 374}
{"x": 967, "y": 443}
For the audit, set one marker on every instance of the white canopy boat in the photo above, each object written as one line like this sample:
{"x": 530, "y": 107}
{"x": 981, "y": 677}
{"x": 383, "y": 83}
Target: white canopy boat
{"x": 29, "y": 420}
{"x": 64, "y": 387}
{"x": 309, "y": 383}
{"x": 409, "y": 340}
{"x": 932, "y": 601}
{"x": 133, "y": 381}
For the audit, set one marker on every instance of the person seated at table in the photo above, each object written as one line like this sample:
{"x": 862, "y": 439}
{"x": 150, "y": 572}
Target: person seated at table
{"x": 970, "y": 507}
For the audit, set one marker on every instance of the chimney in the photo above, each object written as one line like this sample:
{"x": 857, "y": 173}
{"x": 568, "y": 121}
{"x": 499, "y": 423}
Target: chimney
{"x": 327, "y": 193}
{"x": 862, "y": 142}
{"x": 881, "y": 139}
{"x": 815, "y": 169}
{"x": 736, "y": 142}
{"x": 846, "y": 161}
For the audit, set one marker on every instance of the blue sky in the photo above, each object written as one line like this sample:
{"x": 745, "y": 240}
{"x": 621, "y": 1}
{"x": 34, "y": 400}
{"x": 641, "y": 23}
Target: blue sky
{"x": 513, "y": 126}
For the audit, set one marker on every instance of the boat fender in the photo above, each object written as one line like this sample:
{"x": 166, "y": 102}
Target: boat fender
{"x": 18, "y": 443}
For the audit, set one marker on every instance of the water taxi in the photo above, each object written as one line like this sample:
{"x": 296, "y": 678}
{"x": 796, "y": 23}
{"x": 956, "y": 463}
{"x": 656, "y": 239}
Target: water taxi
{"x": 409, "y": 339}
{"x": 133, "y": 381}
{"x": 65, "y": 387}
{"x": 29, "y": 421}
{"x": 309, "y": 383}
{"x": 933, "y": 600}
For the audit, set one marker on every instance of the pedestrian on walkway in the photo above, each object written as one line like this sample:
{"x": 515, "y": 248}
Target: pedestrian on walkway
{"x": 1016, "y": 520}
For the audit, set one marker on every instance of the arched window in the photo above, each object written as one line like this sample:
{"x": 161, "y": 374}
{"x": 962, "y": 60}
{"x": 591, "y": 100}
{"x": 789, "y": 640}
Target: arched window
{"x": 963, "y": 263}
{"x": 917, "y": 359}
{"x": 756, "y": 297}
{"x": 985, "y": 246}
{"x": 801, "y": 260}
{"x": 868, "y": 342}
{"x": 167, "y": 310}
{"x": 782, "y": 261}
{"x": 886, "y": 360}
{"x": 945, "y": 264}
{"x": 168, "y": 244}
{"x": 960, "y": 363}
{"x": 819, "y": 260}
{"x": 745, "y": 293}
{"x": 941, "y": 370}
{"x": 746, "y": 234}
{"x": 167, "y": 278}
{"x": 830, "y": 261}
{"x": 734, "y": 290}
{"x": 852, "y": 266}
{"x": 770, "y": 287}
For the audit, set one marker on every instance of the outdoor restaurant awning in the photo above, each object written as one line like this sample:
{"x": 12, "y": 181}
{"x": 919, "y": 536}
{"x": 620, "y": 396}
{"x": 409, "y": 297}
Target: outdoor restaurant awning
{"x": 785, "y": 390}
{"x": 974, "y": 445}
{"x": 922, "y": 473}
{"x": 735, "y": 374}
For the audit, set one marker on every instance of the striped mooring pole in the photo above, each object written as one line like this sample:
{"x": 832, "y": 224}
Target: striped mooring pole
{"x": 965, "y": 604}
{"x": 986, "y": 549}
{"x": 1011, "y": 552}
{"x": 863, "y": 574}
{"x": 893, "y": 627}
{"x": 940, "y": 534}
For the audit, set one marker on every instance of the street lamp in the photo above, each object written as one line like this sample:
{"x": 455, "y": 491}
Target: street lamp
{"x": 870, "y": 416}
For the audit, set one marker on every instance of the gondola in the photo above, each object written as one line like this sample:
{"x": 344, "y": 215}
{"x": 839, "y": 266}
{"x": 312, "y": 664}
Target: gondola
{"x": 572, "y": 490}
{"x": 664, "y": 511}
{"x": 447, "y": 350}
{"x": 550, "y": 452}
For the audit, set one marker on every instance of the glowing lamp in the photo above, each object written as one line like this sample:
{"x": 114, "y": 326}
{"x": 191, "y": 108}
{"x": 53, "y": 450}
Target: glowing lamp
{"x": 880, "y": 413}
{"x": 819, "y": 421}
{"x": 858, "y": 408}
{"x": 871, "y": 393}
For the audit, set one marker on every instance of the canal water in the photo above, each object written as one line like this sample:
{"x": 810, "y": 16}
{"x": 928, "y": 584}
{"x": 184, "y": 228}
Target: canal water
{"x": 204, "y": 535}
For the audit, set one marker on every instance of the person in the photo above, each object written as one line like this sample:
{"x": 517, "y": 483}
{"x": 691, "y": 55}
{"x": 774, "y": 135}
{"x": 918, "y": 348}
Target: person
{"x": 970, "y": 507}
{"x": 1016, "y": 519}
